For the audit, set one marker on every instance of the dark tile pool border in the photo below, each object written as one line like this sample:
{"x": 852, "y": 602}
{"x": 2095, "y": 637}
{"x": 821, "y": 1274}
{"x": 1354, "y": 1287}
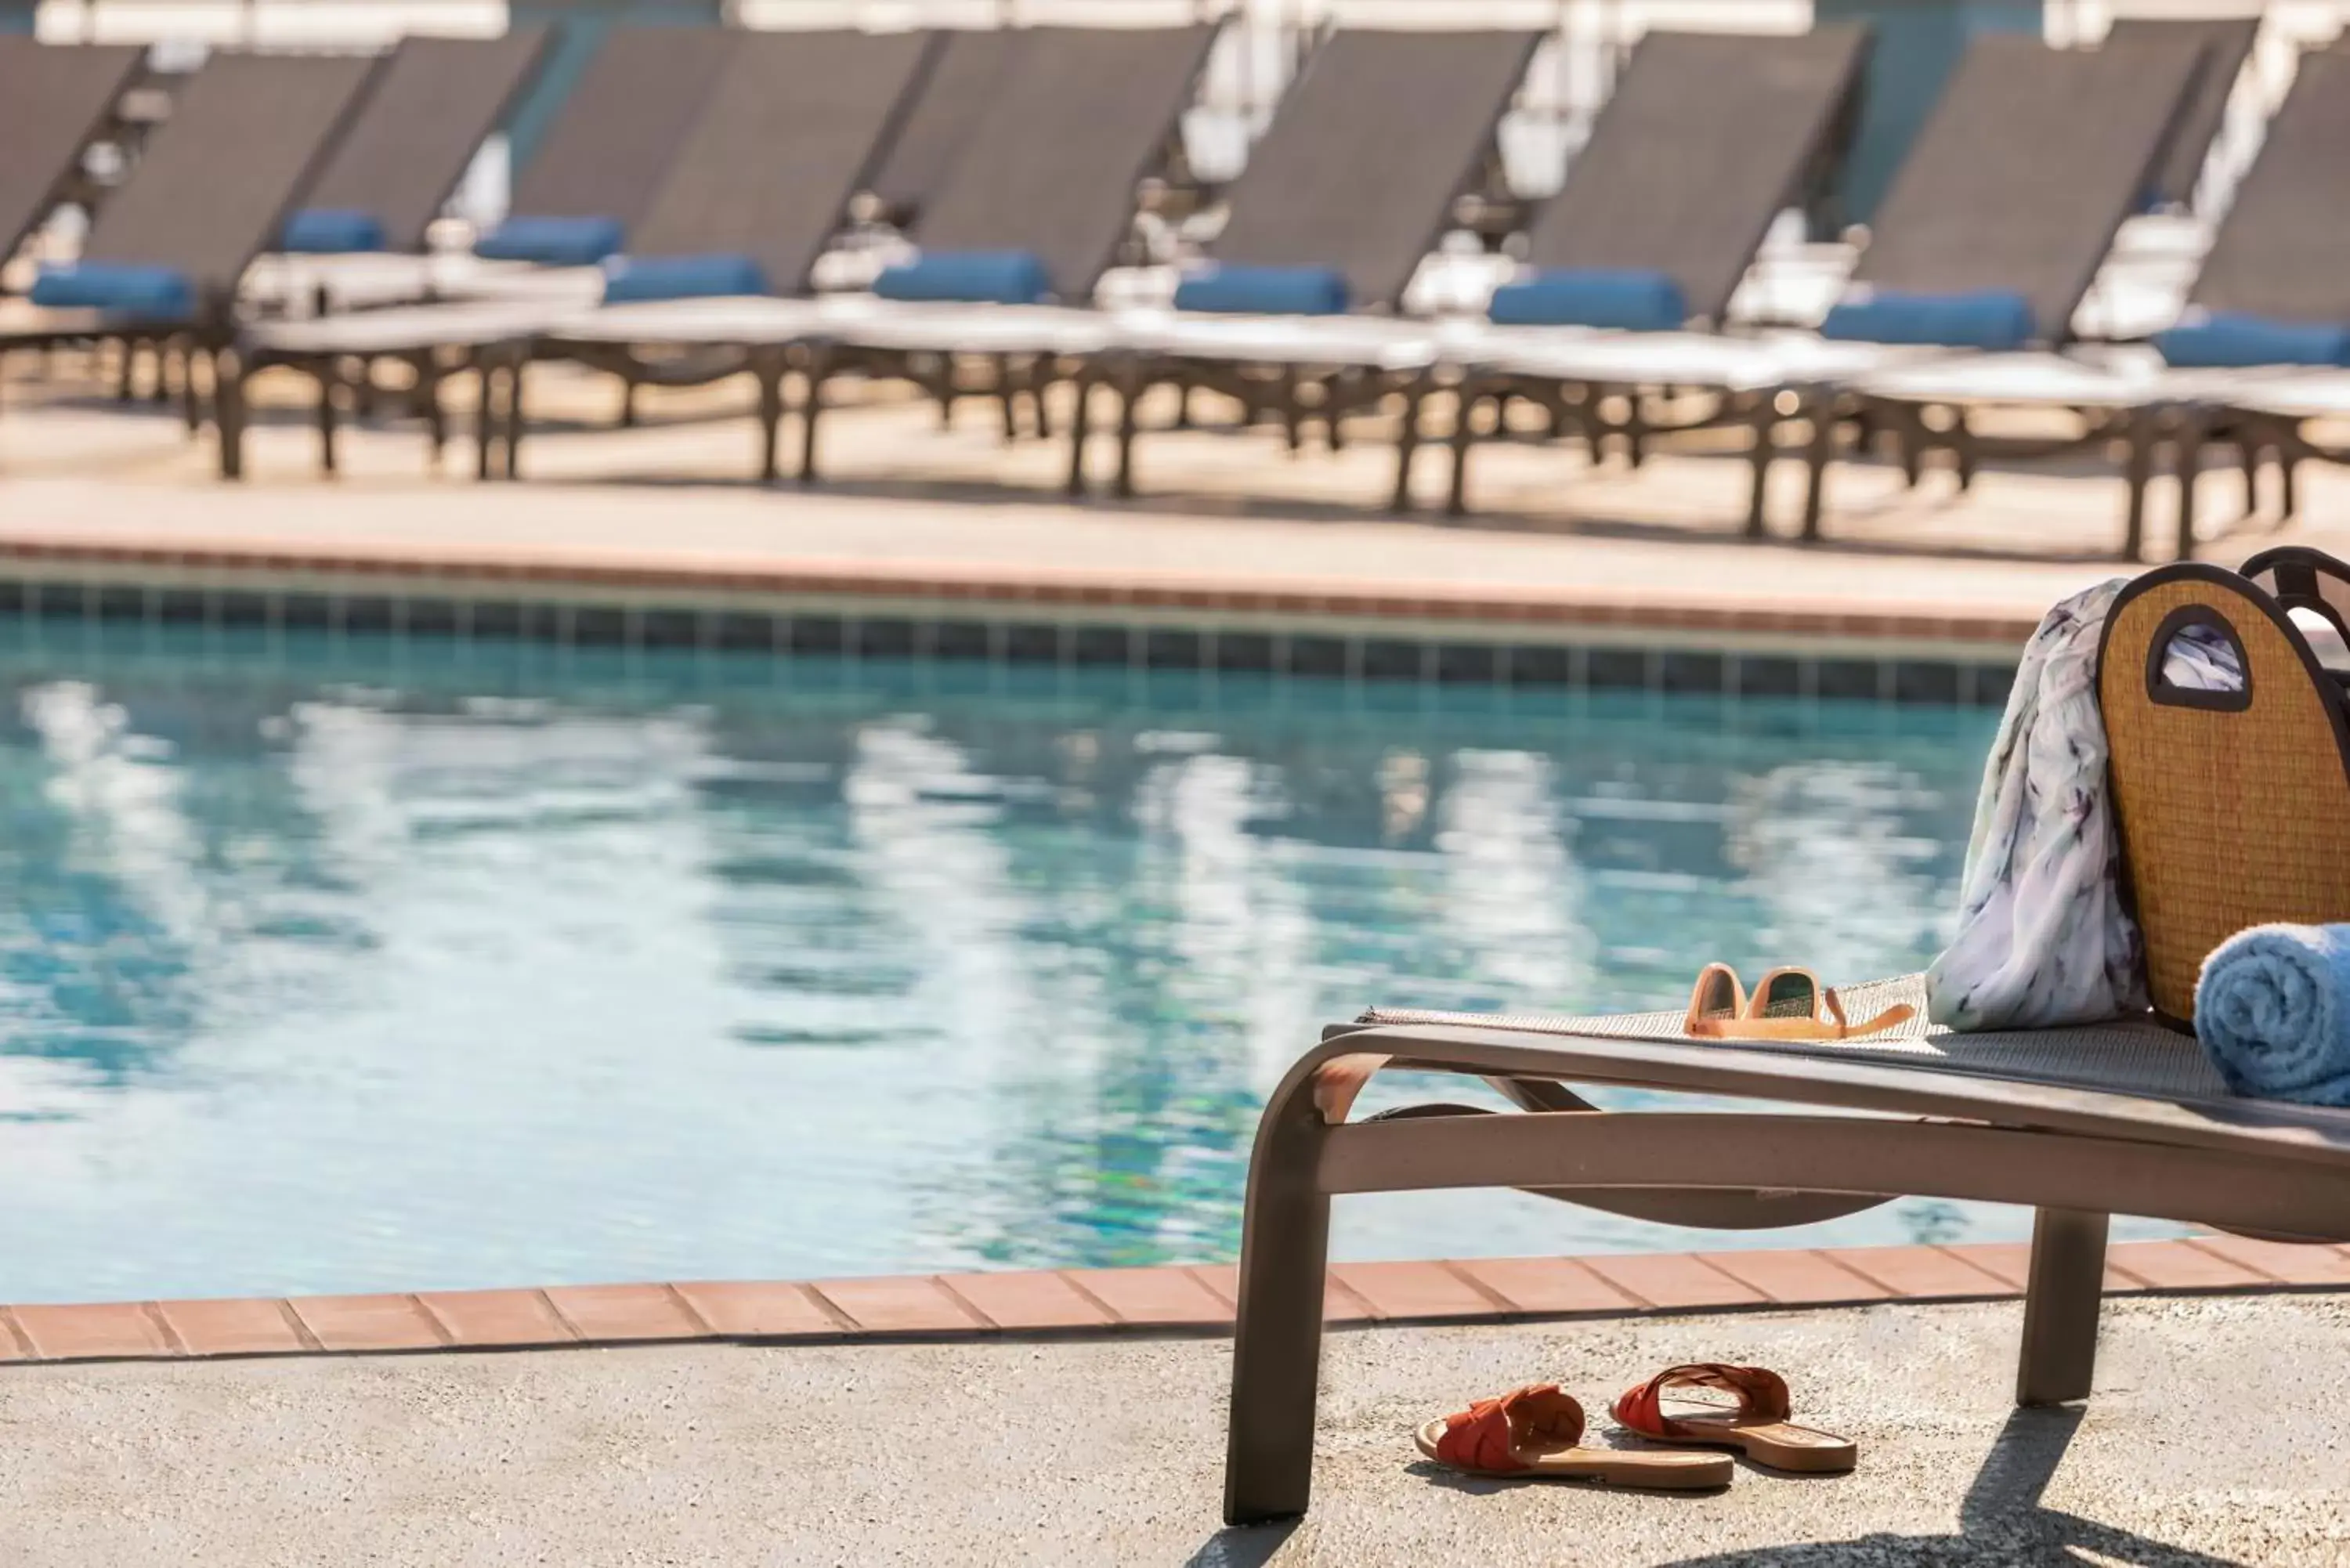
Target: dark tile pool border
{"x": 1594, "y": 641}
{"x": 1084, "y": 1302}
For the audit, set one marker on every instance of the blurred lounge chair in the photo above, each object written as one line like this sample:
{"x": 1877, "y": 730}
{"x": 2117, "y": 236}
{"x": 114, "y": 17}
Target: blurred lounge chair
{"x": 1349, "y": 190}
{"x": 55, "y": 99}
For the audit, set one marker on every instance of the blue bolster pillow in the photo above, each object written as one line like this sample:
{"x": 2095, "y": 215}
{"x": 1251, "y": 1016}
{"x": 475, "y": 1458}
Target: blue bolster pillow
{"x": 1993, "y": 319}
{"x": 2227, "y": 340}
{"x": 974, "y": 278}
{"x": 680, "y": 277}
{"x": 1264, "y": 291}
{"x": 1625, "y": 299}
{"x": 330, "y": 231}
{"x": 552, "y": 242}
{"x": 161, "y": 292}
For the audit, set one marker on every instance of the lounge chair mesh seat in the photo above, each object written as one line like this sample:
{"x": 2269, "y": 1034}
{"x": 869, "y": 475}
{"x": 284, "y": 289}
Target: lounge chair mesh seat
{"x": 1369, "y": 146}
{"x": 54, "y": 97}
{"x": 1052, "y": 168}
{"x": 436, "y": 102}
{"x": 793, "y": 123}
{"x": 246, "y": 134}
{"x": 2127, "y": 1056}
{"x": 1974, "y": 209}
{"x": 1706, "y": 138}
{"x": 616, "y": 134}
{"x": 2227, "y": 43}
{"x": 965, "y": 75}
{"x": 2281, "y": 252}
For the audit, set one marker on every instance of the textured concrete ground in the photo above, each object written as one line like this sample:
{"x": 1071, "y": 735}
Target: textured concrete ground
{"x": 2217, "y": 1436}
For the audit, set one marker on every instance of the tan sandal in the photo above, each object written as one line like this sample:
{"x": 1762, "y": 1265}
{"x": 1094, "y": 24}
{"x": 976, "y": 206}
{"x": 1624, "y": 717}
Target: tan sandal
{"x": 1532, "y": 1433}
{"x": 1786, "y": 1005}
{"x": 1757, "y": 1425}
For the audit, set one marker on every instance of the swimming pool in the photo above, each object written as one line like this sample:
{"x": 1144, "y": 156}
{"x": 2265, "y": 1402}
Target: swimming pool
{"x": 342, "y": 962}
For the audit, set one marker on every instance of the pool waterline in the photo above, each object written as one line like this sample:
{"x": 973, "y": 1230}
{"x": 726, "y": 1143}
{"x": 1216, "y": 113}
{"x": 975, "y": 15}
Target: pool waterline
{"x": 349, "y": 962}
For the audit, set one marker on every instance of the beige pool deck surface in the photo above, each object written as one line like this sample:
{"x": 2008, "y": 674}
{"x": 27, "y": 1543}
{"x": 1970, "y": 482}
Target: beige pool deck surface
{"x": 2215, "y": 1436}
{"x": 1228, "y": 522}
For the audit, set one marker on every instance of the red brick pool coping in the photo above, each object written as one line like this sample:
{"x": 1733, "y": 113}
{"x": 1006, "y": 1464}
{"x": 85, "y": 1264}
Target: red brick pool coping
{"x": 1193, "y": 1300}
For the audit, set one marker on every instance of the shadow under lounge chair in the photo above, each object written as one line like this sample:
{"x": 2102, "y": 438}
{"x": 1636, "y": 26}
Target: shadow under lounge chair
{"x": 1348, "y": 192}
{"x": 434, "y": 102}
{"x": 55, "y": 99}
{"x": 164, "y": 256}
{"x": 1706, "y": 139}
{"x": 2122, "y": 1117}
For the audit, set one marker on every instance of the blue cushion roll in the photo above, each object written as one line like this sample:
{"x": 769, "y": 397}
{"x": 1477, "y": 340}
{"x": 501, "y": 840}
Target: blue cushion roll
{"x": 680, "y": 277}
{"x": 1993, "y": 319}
{"x": 972, "y": 277}
{"x": 1264, "y": 291}
{"x": 2272, "y": 1010}
{"x": 162, "y": 293}
{"x": 2228, "y": 339}
{"x": 552, "y": 242}
{"x": 1625, "y": 299}
{"x": 330, "y": 231}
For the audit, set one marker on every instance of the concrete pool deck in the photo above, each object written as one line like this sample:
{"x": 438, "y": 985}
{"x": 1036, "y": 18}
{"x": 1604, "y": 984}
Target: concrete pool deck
{"x": 956, "y": 521}
{"x": 2214, "y": 1436}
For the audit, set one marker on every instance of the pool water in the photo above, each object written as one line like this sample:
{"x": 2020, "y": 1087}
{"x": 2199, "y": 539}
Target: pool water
{"x": 341, "y": 963}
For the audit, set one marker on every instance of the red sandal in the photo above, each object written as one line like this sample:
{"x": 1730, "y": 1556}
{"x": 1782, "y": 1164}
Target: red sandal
{"x": 1532, "y": 1432}
{"x": 1757, "y": 1425}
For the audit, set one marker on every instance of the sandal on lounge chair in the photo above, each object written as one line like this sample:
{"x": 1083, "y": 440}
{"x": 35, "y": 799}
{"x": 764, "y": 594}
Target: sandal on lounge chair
{"x": 1785, "y": 1005}
{"x": 1757, "y": 1425}
{"x": 1534, "y": 1432}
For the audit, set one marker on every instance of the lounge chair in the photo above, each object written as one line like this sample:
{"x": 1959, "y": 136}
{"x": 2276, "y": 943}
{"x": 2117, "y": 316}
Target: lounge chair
{"x": 966, "y": 74}
{"x": 1993, "y": 230}
{"x": 1346, "y": 192}
{"x": 55, "y": 99}
{"x": 2227, "y": 44}
{"x": 1040, "y": 204}
{"x": 2124, "y": 1117}
{"x": 1706, "y": 139}
{"x": 2258, "y": 354}
{"x": 433, "y": 104}
{"x": 164, "y": 255}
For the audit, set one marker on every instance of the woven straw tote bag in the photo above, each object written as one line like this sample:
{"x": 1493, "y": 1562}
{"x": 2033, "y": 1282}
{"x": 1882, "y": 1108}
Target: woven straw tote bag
{"x": 2233, "y": 806}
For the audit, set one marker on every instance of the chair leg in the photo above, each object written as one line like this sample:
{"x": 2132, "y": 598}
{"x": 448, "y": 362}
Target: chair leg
{"x": 485, "y": 419}
{"x": 2060, "y": 1307}
{"x": 1130, "y": 383}
{"x": 1407, "y": 443}
{"x": 767, "y": 367}
{"x": 1277, "y": 1342}
{"x": 2288, "y": 485}
{"x": 1080, "y": 425}
{"x": 328, "y": 374}
{"x": 1464, "y": 436}
{"x": 228, "y": 410}
{"x": 1762, "y": 450}
{"x": 819, "y": 365}
{"x": 2138, "y": 472}
{"x": 1817, "y": 454}
{"x": 2187, "y": 457}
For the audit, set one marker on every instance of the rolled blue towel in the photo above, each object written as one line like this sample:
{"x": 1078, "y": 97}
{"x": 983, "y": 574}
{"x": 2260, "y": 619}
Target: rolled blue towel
{"x": 2272, "y": 1010}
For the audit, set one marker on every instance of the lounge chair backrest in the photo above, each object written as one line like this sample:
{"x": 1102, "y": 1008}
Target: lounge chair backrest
{"x": 1366, "y": 151}
{"x": 2227, "y": 44}
{"x": 1052, "y": 168}
{"x": 2026, "y": 169}
{"x": 246, "y": 136}
{"x": 2283, "y": 250}
{"x": 1706, "y": 138}
{"x": 965, "y": 76}
{"x": 54, "y": 97}
{"x": 2233, "y": 806}
{"x": 436, "y": 102}
{"x": 794, "y": 124}
{"x": 617, "y": 134}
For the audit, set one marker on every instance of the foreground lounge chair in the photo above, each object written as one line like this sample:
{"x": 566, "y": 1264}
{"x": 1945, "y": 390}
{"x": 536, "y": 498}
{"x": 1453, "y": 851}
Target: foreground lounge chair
{"x": 1706, "y": 139}
{"x": 362, "y": 229}
{"x": 55, "y": 99}
{"x": 1346, "y": 192}
{"x": 2125, "y": 1118}
{"x": 164, "y": 259}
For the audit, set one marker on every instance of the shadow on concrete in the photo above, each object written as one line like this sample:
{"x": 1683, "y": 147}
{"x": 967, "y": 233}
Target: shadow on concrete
{"x": 2002, "y": 1521}
{"x": 1240, "y": 1546}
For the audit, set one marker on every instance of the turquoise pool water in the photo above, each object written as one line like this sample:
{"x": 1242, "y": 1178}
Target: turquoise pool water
{"x": 345, "y": 963}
